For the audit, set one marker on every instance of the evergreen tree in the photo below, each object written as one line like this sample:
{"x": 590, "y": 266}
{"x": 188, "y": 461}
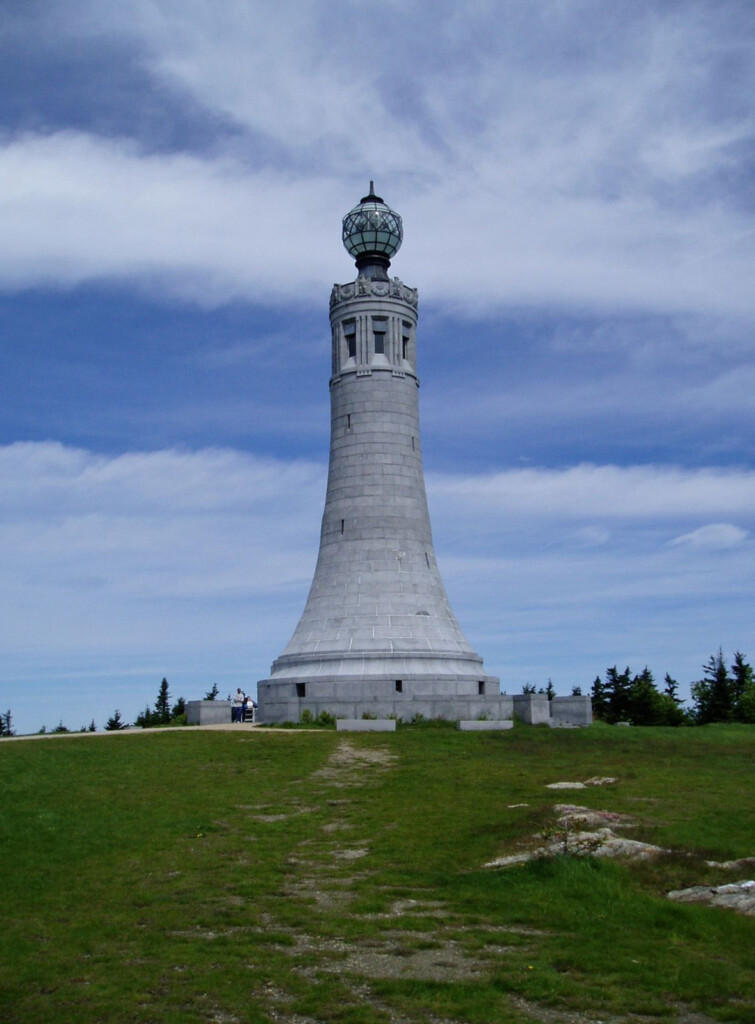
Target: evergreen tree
{"x": 599, "y": 699}
{"x": 6, "y": 724}
{"x": 714, "y": 693}
{"x": 115, "y": 722}
{"x": 162, "y": 704}
{"x": 643, "y": 702}
{"x": 671, "y": 688}
{"x": 617, "y": 688}
{"x": 576, "y": 691}
{"x": 550, "y": 690}
{"x": 744, "y": 689}
{"x": 147, "y": 719}
{"x": 213, "y": 693}
{"x": 671, "y": 705}
{"x": 648, "y": 706}
{"x": 178, "y": 709}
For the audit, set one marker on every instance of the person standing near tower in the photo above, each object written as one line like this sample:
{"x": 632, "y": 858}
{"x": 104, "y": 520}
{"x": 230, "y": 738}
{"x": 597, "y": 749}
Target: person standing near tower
{"x": 237, "y": 705}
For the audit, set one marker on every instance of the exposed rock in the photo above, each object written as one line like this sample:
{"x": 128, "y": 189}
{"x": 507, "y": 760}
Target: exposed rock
{"x": 596, "y": 780}
{"x": 601, "y": 842}
{"x": 739, "y": 896}
{"x": 573, "y": 814}
{"x": 732, "y": 865}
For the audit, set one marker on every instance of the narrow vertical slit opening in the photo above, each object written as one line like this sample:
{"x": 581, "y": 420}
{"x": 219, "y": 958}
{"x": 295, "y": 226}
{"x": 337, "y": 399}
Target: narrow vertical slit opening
{"x": 301, "y": 689}
{"x": 399, "y": 686}
{"x": 343, "y": 523}
{"x": 427, "y": 559}
{"x": 481, "y": 689}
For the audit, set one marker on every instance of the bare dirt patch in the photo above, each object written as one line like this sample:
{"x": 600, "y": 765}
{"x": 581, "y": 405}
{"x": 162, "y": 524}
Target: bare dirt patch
{"x": 546, "y": 1015}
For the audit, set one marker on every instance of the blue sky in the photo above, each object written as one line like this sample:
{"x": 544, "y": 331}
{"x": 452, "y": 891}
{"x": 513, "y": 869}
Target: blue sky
{"x": 576, "y": 183}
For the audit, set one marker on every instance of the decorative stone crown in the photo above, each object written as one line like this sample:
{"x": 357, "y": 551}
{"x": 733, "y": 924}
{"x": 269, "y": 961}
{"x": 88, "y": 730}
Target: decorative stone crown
{"x": 364, "y": 286}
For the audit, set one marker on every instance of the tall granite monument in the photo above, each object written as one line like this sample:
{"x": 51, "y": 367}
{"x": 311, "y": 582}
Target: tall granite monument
{"x": 377, "y": 634}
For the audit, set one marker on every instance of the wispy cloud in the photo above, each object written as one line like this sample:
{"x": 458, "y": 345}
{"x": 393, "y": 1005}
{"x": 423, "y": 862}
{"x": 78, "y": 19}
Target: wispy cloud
{"x": 609, "y": 493}
{"x": 717, "y": 536}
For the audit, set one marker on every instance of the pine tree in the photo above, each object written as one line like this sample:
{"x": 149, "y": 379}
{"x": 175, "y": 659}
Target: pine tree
{"x": 714, "y": 693}
{"x": 599, "y": 699}
{"x": 178, "y": 709}
{"x": 147, "y": 719}
{"x": 213, "y": 693}
{"x": 162, "y": 704}
{"x": 115, "y": 722}
{"x": 643, "y": 700}
{"x": 617, "y": 688}
{"x": 743, "y": 689}
{"x": 550, "y": 690}
{"x": 671, "y": 688}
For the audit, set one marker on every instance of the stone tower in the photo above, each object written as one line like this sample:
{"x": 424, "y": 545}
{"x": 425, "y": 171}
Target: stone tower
{"x": 377, "y": 634}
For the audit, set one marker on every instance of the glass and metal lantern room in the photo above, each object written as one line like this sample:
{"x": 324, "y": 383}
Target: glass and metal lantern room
{"x": 372, "y": 230}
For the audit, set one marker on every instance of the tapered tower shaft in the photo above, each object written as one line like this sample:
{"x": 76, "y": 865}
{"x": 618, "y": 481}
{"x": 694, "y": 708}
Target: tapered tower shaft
{"x": 377, "y": 633}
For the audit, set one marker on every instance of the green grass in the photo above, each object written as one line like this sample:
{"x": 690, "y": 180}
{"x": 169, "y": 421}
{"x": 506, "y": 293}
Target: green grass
{"x": 199, "y": 876}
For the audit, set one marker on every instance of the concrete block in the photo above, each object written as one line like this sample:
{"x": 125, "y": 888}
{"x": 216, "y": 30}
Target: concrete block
{"x": 366, "y": 725}
{"x": 208, "y": 712}
{"x": 478, "y": 726}
{"x": 532, "y": 708}
{"x": 571, "y": 711}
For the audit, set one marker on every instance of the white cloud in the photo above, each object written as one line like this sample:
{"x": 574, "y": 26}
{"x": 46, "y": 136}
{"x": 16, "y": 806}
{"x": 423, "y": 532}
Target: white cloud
{"x": 544, "y": 170}
{"x": 76, "y": 208}
{"x": 643, "y": 493}
{"x": 716, "y": 536}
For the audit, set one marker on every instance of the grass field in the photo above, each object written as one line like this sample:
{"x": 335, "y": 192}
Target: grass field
{"x": 195, "y": 876}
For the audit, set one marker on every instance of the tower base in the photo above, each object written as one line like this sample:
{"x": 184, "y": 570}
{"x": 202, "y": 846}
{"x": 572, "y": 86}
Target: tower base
{"x": 453, "y": 697}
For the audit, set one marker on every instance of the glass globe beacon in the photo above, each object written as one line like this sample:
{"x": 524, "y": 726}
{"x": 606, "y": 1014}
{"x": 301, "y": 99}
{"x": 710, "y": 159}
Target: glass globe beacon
{"x": 372, "y": 229}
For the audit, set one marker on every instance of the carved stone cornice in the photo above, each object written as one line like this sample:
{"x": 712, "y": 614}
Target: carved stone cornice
{"x": 364, "y": 287}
